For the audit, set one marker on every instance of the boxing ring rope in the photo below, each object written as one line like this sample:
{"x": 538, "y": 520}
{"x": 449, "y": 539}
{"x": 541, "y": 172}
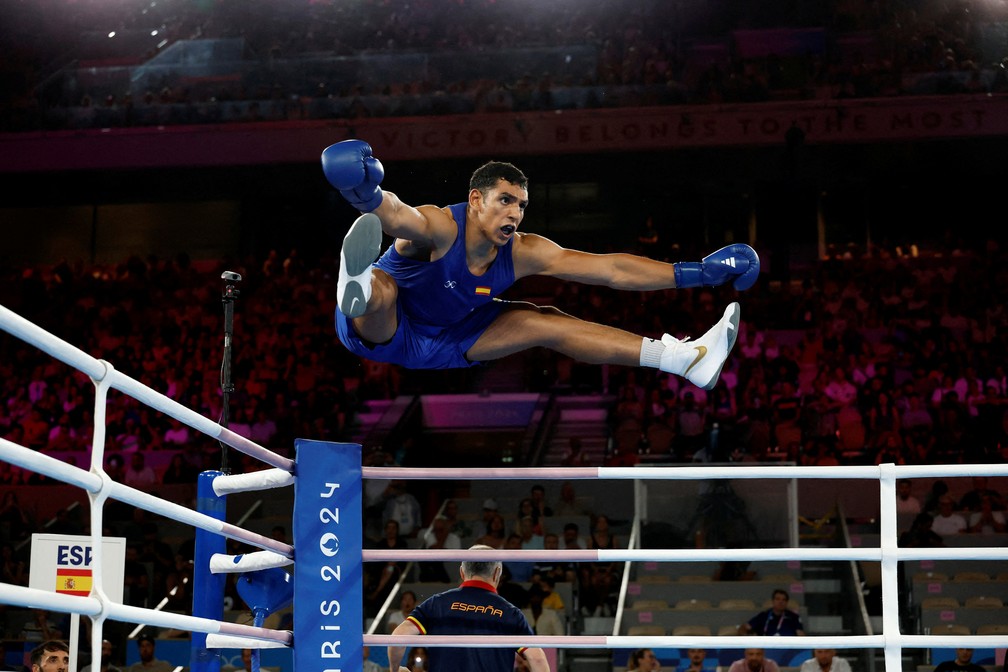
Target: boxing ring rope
{"x": 94, "y": 484}
{"x": 100, "y": 487}
{"x": 888, "y": 553}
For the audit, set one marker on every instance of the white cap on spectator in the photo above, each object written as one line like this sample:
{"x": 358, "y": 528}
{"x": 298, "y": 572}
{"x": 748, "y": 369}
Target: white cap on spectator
{"x": 490, "y": 504}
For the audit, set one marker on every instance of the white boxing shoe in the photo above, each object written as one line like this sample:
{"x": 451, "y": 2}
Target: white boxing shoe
{"x": 701, "y": 361}
{"x": 361, "y": 246}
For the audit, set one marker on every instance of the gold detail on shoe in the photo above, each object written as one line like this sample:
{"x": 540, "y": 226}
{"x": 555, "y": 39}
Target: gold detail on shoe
{"x": 701, "y": 353}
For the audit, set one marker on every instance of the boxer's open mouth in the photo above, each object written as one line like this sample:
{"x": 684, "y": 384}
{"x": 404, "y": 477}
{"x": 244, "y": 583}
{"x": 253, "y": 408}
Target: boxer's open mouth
{"x": 508, "y": 229}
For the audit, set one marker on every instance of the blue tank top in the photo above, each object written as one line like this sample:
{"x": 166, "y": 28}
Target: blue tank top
{"x": 443, "y": 292}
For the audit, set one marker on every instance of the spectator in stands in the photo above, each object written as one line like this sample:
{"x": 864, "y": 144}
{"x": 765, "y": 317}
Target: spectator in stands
{"x": 890, "y": 450}
{"x": 526, "y": 509}
{"x": 418, "y": 659}
{"x": 406, "y": 603}
{"x": 947, "y": 521}
{"x": 915, "y": 417}
{"x": 575, "y": 455}
{"x": 825, "y": 660}
{"x": 376, "y": 492}
{"x": 439, "y": 536}
{"x": 938, "y": 490}
{"x": 554, "y": 569}
{"x": 147, "y": 662}
{"x": 777, "y": 620}
{"x": 971, "y": 501}
{"x": 987, "y": 520}
{"x": 179, "y": 471}
{"x": 455, "y": 524}
{"x": 544, "y": 621}
{"x": 920, "y": 534}
{"x": 139, "y": 475}
{"x": 50, "y": 656}
{"x": 177, "y": 433}
{"x": 114, "y": 468}
{"x": 963, "y": 662}
{"x": 551, "y": 598}
{"x": 14, "y": 516}
{"x": 105, "y": 662}
{"x": 568, "y": 504}
{"x": 601, "y": 535}
{"x": 13, "y": 570}
{"x": 905, "y": 501}
{"x": 539, "y": 505}
{"x": 156, "y": 553}
{"x": 643, "y": 660}
{"x": 379, "y": 578}
{"x": 598, "y": 579}
{"x": 518, "y": 571}
{"x": 136, "y": 580}
{"x": 63, "y": 436}
{"x": 572, "y": 537}
{"x": 489, "y": 509}
{"x": 531, "y": 538}
{"x": 755, "y": 660}
{"x": 403, "y": 508}
{"x": 264, "y": 429}
{"x": 40, "y": 628}
{"x": 496, "y": 530}
{"x": 690, "y": 427}
{"x": 36, "y": 430}
{"x": 246, "y": 663}
{"x": 696, "y": 658}
{"x": 370, "y": 665}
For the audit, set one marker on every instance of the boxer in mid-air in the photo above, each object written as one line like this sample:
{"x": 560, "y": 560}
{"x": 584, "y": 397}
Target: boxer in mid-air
{"x": 430, "y": 301}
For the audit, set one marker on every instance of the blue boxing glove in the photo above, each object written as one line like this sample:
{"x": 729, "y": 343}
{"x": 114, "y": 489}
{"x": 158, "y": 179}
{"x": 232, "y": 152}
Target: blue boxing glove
{"x": 349, "y": 166}
{"x": 739, "y": 262}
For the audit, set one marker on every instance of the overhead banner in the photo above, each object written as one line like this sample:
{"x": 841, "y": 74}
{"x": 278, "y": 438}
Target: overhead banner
{"x": 528, "y": 133}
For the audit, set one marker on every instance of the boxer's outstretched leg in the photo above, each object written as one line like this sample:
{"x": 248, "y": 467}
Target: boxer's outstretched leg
{"x": 361, "y": 246}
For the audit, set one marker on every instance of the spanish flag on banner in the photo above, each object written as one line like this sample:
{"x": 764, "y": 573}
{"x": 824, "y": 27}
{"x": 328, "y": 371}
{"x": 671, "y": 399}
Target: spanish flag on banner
{"x": 73, "y": 582}
{"x": 482, "y": 291}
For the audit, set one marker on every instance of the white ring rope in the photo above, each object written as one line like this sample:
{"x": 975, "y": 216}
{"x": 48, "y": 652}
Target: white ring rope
{"x": 256, "y": 480}
{"x": 221, "y": 563}
{"x": 888, "y": 553}
{"x": 217, "y": 641}
{"x": 677, "y": 473}
{"x": 92, "y": 606}
{"x": 621, "y": 641}
{"x": 94, "y": 484}
{"x": 99, "y": 487}
{"x": 685, "y": 642}
{"x": 99, "y": 370}
{"x": 684, "y": 554}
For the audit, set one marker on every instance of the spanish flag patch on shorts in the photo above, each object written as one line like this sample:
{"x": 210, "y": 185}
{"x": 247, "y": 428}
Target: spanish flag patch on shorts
{"x": 482, "y": 291}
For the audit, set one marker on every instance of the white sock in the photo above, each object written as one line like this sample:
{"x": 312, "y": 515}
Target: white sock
{"x": 650, "y": 352}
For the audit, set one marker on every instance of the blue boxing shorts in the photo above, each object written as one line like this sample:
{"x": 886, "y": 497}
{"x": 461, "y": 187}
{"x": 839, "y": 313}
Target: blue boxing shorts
{"x": 422, "y": 346}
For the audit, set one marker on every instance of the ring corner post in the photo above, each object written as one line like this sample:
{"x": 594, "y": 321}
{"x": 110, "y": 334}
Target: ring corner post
{"x": 328, "y": 571}
{"x": 208, "y": 588}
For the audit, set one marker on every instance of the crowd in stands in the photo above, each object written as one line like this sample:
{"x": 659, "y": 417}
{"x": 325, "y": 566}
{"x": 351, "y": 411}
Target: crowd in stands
{"x": 347, "y": 60}
{"x": 863, "y": 360}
